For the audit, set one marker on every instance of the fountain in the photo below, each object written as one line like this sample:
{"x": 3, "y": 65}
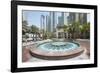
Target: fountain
{"x": 57, "y": 50}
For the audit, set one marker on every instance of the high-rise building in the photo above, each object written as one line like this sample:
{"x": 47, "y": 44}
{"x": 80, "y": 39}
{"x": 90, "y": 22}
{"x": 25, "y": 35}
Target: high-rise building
{"x": 42, "y": 24}
{"x": 63, "y": 20}
{"x": 59, "y": 21}
{"x": 52, "y": 21}
{"x": 77, "y": 17}
{"x": 72, "y": 17}
{"x": 48, "y": 23}
{"x": 84, "y": 20}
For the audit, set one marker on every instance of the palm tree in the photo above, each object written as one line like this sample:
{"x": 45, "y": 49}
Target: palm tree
{"x": 76, "y": 29}
{"x": 85, "y": 30}
{"x": 73, "y": 29}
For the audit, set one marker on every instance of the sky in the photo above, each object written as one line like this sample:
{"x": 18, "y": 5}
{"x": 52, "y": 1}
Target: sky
{"x": 33, "y": 17}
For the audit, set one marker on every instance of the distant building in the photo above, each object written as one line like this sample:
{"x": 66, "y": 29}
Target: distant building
{"x": 42, "y": 22}
{"x": 52, "y": 21}
{"x": 83, "y": 18}
{"x": 47, "y": 22}
{"x": 59, "y": 21}
{"x": 77, "y": 17}
{"x": 62, "y": 20}
{"x": 71, "y": 18}
{"x": 65, "y": 18}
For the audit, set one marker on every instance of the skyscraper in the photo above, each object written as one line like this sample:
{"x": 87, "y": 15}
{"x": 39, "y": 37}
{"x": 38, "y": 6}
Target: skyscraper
{"x": 63, "y": 20}
{"x": 47, "y": 23}
{"x": 77, "y": 17}
{"x": 52, "y": 21}
{"x": 59, "y": 21}
{"x": 84, "y": 18}
{"x": 42, "y": 24}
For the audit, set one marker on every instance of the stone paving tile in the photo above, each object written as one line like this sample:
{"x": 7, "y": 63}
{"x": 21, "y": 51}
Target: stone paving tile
{"x": 25, "y": 55}
{"x": 85, "y": 44}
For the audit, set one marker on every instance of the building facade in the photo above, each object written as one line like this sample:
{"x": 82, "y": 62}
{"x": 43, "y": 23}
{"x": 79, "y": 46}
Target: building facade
{"x": 77, "y": 17}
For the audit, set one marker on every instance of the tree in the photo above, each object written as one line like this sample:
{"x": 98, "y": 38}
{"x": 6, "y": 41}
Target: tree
{"x": 34, "y": 29}
{"x": 85, "y": 30}
{"x": 76, "y": 29}
{"x": 73, "y": 29}
{"x": 24, "y": 27}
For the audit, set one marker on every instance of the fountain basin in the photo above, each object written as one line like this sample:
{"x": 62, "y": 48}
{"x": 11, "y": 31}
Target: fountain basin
{"x": 57, "y": 50}
{"x": 58, "y": 43}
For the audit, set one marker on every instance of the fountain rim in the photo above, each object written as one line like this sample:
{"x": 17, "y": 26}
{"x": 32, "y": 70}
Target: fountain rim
{"x": 57, "y": 55}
